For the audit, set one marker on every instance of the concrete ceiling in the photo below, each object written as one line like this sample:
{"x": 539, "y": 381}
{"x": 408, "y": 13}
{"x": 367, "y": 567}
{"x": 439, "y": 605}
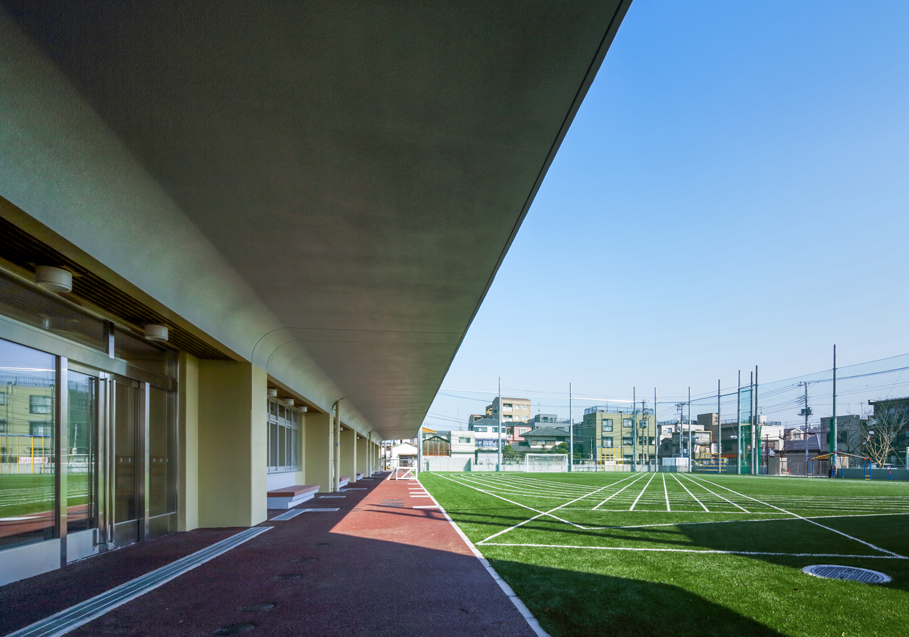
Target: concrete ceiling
{"x": 363, "y": 166}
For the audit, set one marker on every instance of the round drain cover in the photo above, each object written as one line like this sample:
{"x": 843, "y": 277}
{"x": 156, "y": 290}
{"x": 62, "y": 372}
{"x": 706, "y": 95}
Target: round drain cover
{"x": 831, "y": 571}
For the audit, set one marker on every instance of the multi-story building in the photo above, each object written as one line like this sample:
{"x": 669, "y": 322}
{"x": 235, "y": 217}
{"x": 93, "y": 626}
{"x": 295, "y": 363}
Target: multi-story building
{"x": 610, "y": 430}
{"x": 513, "y": 409}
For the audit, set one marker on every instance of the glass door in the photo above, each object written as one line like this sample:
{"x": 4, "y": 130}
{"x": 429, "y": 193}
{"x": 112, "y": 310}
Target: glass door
{"x": 83, "y": 473}
{"x": 125, "y": 461}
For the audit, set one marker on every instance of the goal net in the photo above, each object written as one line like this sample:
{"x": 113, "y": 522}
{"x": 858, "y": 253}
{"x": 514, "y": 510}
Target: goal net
{"x": 546, "y": 462}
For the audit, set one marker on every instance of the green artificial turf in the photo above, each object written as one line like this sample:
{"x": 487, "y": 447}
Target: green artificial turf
{"x": 665, "y": 582}
{"x": 24, "y": 494}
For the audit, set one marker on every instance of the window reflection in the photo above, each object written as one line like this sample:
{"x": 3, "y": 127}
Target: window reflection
{"x": 26, "y": 445}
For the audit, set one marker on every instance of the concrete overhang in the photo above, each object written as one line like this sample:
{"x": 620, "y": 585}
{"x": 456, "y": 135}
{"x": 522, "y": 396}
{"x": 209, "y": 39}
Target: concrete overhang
{"x": 326, "y": 188}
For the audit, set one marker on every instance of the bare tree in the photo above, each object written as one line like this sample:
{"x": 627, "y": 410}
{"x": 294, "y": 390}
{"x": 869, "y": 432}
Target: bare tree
{"x": 880, "y": 432}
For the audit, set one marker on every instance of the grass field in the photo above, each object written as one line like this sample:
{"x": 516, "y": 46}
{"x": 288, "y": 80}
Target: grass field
{"x": 673, "y": 554}
{"x": 25, "y": 494}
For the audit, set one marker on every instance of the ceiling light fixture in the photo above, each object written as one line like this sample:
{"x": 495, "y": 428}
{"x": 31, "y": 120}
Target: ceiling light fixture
{"x": 54, "y": 279}
{"x": 155, "y": 332}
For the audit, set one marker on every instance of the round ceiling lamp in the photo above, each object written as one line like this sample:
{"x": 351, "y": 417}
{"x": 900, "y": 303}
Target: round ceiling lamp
{"x": 155, "y": 332}
{"x": 54, "y": 279}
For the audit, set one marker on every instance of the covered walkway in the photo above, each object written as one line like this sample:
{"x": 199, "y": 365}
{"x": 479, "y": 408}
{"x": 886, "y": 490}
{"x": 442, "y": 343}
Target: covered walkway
{"x": 376, "y": 566}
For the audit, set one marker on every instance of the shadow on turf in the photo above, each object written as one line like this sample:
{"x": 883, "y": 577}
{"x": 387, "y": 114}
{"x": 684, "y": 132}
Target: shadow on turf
{"x": 570, "y": 603}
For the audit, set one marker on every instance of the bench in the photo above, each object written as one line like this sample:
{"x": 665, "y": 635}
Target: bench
{"x": 344, "y": 481}
{"x": 287, "y": 497}
{"x": 359, "y": 476}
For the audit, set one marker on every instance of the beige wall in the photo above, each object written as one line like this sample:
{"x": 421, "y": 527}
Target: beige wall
{"x": 362, "y": 451}
{"x": 232, "y": 444}
{"x": 188, "y": 443}
{"x": 349, "y": 454}
{"x": 317, "y": 453}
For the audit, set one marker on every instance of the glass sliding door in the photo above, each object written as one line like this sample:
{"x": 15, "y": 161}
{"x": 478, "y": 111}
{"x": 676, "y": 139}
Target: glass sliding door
{"x": 27, "y": 420}
{"x": 162, "y": 465}
{"x": 125, "y": 461}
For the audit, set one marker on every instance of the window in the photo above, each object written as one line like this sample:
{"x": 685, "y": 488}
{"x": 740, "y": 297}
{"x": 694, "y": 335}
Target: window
{"x": 2, "y": 425}
{"x": 40, "y": 404}
{"x": 283, "y": 433}
{"x": 41, "y": 428}
{"x": 507, "y": 418}
{"x": 2, "y": 397}
{"x": 627, "y": 441}
{"x": 464, "y": 441}
{"x": 506, "y": 406}
{"x": 626, "y": 422}
{"x": 607, "y": 425}
{"x": 480, "y": 429}
{"x": 607, "y": 442}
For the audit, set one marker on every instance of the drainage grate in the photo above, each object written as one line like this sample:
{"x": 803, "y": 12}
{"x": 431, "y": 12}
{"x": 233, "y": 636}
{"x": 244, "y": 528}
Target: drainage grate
{"x": 288, "y": 515}
{"x": 332, "y": 496}
{"x": 75, "y": 616}
{"x": 318, "y": 510}
{"x": 352, "y": 489}
{"x": 831, "y": 571}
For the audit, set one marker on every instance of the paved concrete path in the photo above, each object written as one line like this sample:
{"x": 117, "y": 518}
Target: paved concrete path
{"x": 376, "y": 567}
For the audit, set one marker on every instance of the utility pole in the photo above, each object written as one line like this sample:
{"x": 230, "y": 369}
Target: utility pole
{"x": 719, "y": 429}
{"x": 499, "y": 410}
{"x": 806, "y": 411}
{"x": 833, "y": 427}
{"x": 738, "y": 420}
{"x": 656, "y": 434}
{"x": 570, "y": 432}
{"x": 634, "y": 427}
{"x": 755, "y": 457}
{"x": 690, "y": 448}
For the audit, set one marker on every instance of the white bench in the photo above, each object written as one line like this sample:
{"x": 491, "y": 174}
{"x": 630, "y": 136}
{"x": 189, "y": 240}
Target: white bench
{"x": 344, "y": 481}
{"x": 287, "y": 497}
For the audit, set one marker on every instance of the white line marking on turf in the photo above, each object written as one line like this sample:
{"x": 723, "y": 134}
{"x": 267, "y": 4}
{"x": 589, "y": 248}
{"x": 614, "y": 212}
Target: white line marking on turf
{"x": 876, "y": 548}
{"x": 666, "y": 492}
{"x": 635, "y": 503}
{"x": 714, "y": 551}
{"x": 524, "y": 506}
{"x": 619, "y": 491}
{"x": 717, "y": 494}
{"x": 549, "y": 513}
{"x": 706, "y": 510}
{"x": 521, "y": 606}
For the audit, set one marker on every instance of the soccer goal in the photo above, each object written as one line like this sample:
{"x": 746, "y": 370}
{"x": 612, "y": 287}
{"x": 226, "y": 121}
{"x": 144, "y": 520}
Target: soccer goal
{"x": 546, "y": 462}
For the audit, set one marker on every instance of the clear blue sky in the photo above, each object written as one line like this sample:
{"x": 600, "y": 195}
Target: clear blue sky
{"x": 734, "y": 191}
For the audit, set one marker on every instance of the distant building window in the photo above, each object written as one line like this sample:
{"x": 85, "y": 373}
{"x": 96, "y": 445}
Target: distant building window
{"x": 2, "y": 425}
{"x": 41, "y": 428}
{"x": 627, "y": 423}
{"x": 607, "y": 442}
{"x": 40, "y": 405}
{"x": 464, "y": 441}
{"x": 627, "y": 441}
{"x": 2, "y": 397}
{"x": 607, "y": 424}
{"x": 506, "y": 406}
{"x": 507, "y": 418}
{"x": 480, "y": 429}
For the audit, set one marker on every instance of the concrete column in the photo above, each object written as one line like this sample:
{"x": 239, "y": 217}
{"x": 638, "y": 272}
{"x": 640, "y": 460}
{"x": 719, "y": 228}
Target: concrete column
{"x": 318, "y": 451}
{"x": 362, "y": 455}
{"x": 188, "y": 443}
{"x": 233, "y": 439}
{"x": 349, "y": 454}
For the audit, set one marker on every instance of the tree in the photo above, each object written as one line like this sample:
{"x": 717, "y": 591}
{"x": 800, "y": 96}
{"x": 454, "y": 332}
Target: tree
{"x": 880, "y": 432}
{"x": 508, "y": 452}
{"x": 562, "y": 447}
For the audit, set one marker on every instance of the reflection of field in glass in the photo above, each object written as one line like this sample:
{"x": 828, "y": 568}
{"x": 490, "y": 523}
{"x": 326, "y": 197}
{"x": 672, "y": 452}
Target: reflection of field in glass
{"x": 660, "y": 553}
{"x": 26, "y": 494}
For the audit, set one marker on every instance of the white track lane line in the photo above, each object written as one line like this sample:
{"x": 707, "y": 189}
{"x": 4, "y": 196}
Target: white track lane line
{"x": 869, "y": 544}
{"x": 706, "y": 510}
{"x": 549, "y": 513}
{"x": 717, "y": 494}
{"x": 713, "y": 551}
{"x": 635, "y": 503}
{"x": 620, "y": 490}
{"x": 666, "y": 492}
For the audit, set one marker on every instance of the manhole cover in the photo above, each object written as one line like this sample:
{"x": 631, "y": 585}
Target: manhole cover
{"x": 831, "y": 571}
